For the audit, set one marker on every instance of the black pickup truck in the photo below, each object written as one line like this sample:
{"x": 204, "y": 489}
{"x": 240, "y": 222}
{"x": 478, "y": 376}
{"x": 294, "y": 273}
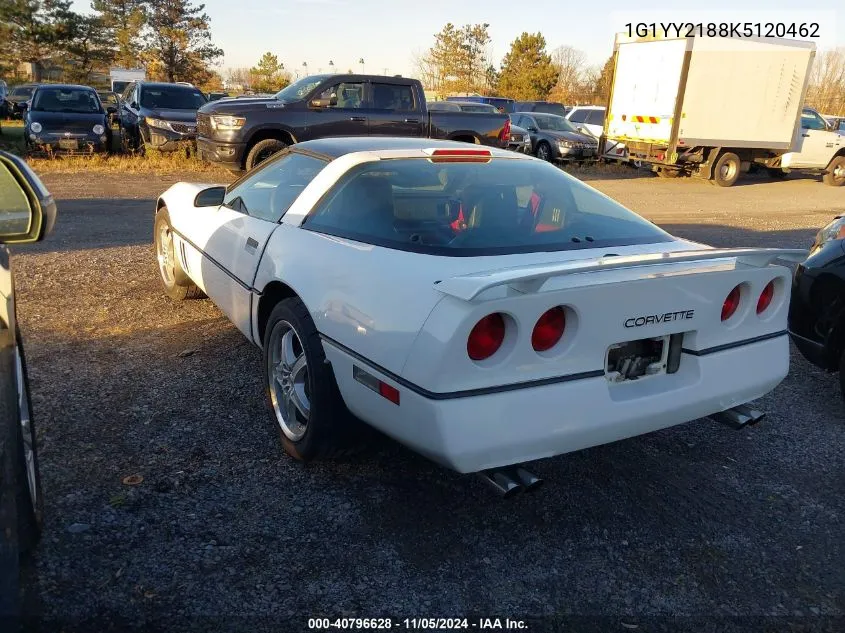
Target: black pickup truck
{"x": 240, "y": 133}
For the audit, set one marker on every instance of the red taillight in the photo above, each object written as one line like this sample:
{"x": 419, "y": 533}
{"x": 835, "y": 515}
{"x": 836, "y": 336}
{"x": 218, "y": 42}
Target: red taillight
{"x": 506, "y": 130}
{"x": 486, "y": 337}
{"x": 731, "y": 304}
{"x": 460, "y": 155}
{"x": 549, "y": 329}
{"x": 388, "y": 391}
{"x": 766, "y": 297}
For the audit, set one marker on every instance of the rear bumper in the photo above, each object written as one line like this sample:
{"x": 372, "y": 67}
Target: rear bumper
{"x": 477, "y": 432}
{"x": 230, "y": 155}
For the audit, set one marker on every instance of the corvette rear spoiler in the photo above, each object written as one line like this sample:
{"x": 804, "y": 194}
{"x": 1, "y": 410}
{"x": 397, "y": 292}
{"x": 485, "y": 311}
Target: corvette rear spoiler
{"x": 531, "y": 278}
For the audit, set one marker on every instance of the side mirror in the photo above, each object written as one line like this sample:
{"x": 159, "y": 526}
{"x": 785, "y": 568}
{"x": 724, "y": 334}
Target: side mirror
{"x": 111, "y": 109}
{"x": 531, "y": 128}
{"x": 27, "y": 210}
{"x": 211, "y": 197}
{"x": 133, "y": 105}
{"x": 324, "y": 103}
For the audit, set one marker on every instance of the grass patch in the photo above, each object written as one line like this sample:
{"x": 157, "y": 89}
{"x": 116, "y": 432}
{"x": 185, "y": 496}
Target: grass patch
{"x": 12, "y": 123}
{"x": 154, "y": 162}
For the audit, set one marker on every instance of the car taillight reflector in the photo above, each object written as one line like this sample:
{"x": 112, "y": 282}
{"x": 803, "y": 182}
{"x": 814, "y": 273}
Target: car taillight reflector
{"x": 486, "y": 337}
{"x": 766, "y": 297}
{"x": 461, "y": 156}
{"x": 731, "y": 303}
{"x": 386, "y": 391}
{"x": 548, "y": 329}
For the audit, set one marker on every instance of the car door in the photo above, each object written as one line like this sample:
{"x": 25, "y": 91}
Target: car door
{"x": 393, "y": 110}
{"x": 344, "y": 113}
{"x": 238, "y": 231}
{"x": 814, "y": 145}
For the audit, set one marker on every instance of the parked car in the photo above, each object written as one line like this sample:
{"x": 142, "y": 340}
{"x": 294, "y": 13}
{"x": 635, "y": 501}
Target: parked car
{"x": 68, "y": 119}
{"x": 111, "y": 102}
{"x": 241, "y": 133}
{"x": 518, "y": 139}
{"x": 27, "y": 214}
{"x": 434, "y": 290}
{"x": 817, "y": 309}
{"x": 18, "y": 98}
{"x": 544, "y": 107}
{"x": 502, "y": 104}
{"x": 553, "y": 138}
{"x": 4, "y": 100}
{"x": 591, "y": 120}
{"x": 160, "y": 116}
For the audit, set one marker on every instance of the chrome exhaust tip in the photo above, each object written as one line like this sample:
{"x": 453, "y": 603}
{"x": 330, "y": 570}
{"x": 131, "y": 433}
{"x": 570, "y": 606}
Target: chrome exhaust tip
{"x": 738, "y": 417}
{"x": 504, "y": 485}
{"x": 527, "y": 479}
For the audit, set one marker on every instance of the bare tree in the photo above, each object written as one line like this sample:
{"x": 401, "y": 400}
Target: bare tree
{"x": 826, "y": 91}
{"x": 571, "y": 64}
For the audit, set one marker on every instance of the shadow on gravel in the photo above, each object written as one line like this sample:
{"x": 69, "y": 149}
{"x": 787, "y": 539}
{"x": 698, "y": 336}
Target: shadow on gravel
{"x": 97, "y": 223}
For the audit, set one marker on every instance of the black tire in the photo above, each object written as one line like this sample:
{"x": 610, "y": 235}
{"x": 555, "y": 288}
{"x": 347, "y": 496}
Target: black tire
{"x": 543, "y": 151}
{"x": 31, "y": 517}
{"x": 330, "y": 430}
{"x": 776, "y": 173}
{"x": 177, "y": 285}
{"x": 726, "y": 170}
{"x": 20, "y": 517}
{"x": 263, "y": 150}
{"x": 835, "y": 176}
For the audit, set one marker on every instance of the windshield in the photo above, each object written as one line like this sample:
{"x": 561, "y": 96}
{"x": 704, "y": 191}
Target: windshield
{"x": 171, "y": 98}
{"x": 22, "y": 91}
{"x": 299, "y": 89}
{"x": 500, "y": 207}
{"x": 554, "y": 123}
{"x": 78, "y": 100}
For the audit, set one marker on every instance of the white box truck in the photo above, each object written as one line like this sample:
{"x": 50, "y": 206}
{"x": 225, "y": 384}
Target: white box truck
{"x": 122, "y": 77}
{"x": 715, "y": 107}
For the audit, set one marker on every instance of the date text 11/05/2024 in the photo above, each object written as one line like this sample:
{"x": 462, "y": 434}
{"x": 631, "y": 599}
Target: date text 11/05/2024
{"x": 722, "y": 29}
{"x": 436, "y": 624}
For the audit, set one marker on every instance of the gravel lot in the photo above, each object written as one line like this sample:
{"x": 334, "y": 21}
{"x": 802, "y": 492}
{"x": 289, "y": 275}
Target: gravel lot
{"x": 698, "y": 522}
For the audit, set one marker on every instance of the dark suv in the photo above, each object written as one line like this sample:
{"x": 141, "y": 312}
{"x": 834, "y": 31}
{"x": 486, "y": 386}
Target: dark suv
{"x": 159, "y": 116}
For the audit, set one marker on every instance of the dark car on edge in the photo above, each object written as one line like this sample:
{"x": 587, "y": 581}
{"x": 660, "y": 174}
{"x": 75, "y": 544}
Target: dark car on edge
{"x": 18, "y": 98}
{"x": 817, "y": 307}
{"x": 240, "y": 133}
{"x": 66, "y": 118}
{"x": 518, "y": 139}
{"x": 161, "y": 116}
{"x": 553, "y": 138}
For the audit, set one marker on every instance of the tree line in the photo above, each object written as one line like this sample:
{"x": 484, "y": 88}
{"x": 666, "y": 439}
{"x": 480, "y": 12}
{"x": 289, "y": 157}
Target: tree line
{"x": 171, "y": 39}
{"x": 460, "y": 62}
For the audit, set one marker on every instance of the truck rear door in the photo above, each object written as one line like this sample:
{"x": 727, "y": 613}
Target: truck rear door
{"x": 346, "y": 116}
{"x": 645, "y": 88}
{"x": 394, "y": 110}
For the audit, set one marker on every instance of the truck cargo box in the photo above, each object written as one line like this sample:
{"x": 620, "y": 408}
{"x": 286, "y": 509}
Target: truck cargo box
{"x": 720, "y": 92}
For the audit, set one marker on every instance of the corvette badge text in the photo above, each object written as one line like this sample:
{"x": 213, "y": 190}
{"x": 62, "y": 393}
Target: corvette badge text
{"x": 652, "y": 319}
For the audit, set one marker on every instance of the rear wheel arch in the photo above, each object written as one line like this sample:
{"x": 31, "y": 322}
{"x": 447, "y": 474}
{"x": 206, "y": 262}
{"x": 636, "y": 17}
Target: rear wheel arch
{"x": 273, "y": 293}
{"x": 265, "y": 134}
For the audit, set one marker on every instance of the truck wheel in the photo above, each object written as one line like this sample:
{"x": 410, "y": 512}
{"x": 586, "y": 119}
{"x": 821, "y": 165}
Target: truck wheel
{"x": 726, "y": 169}
{"x": 544, "y": 151}
{"x": 835, "y": 176}
{"x": 263, "y": 150}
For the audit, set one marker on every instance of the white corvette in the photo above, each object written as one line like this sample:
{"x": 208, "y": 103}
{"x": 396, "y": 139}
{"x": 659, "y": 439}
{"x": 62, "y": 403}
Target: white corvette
{"x": 480, "y": 306}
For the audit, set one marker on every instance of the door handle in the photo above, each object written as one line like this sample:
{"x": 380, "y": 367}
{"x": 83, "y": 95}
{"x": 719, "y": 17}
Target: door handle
{"x": 805, "y": 135}
{"x": 251, "y": 244}
{"x": 360, "y": 119}
{"x": 412, "y": 120}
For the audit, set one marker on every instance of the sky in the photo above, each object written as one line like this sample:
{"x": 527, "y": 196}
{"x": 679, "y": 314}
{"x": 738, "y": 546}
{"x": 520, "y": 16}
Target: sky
{"x": 388, "y": 33}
